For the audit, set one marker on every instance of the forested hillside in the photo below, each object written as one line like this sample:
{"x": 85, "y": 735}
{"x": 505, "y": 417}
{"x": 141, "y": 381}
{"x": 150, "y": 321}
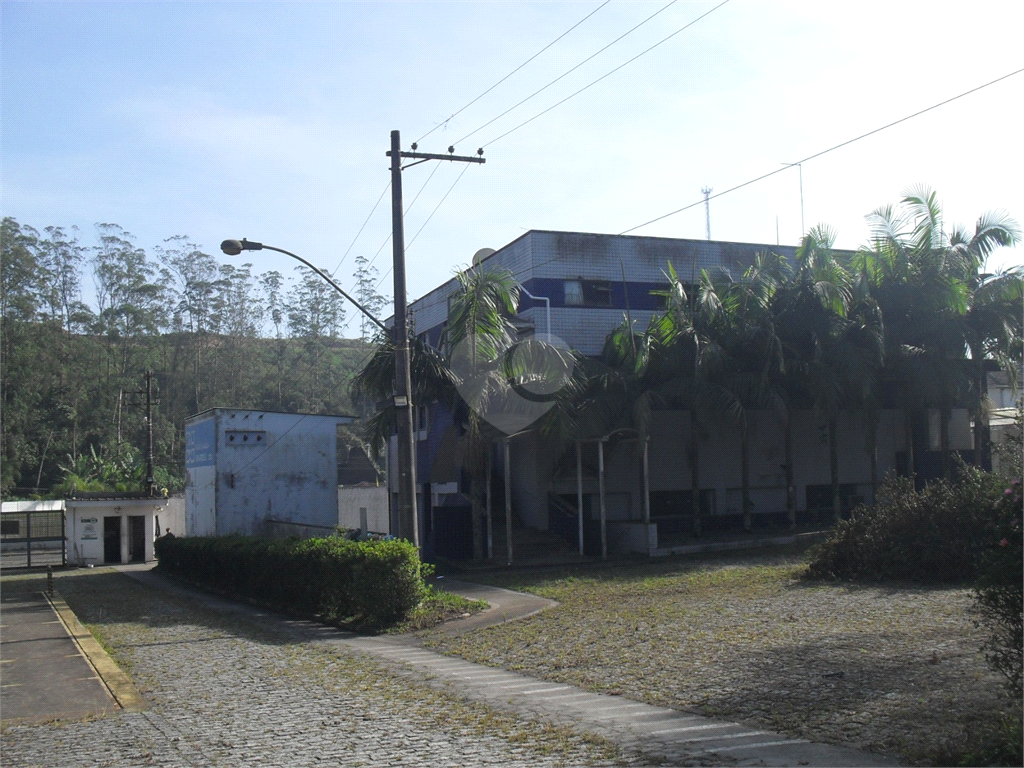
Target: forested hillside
{"x": 73, "y": 373}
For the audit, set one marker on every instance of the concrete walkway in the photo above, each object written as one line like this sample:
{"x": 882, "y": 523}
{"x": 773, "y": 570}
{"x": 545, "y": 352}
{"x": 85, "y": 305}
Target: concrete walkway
{"x": 660, "y": 732}
{"x": 51, "y": 668}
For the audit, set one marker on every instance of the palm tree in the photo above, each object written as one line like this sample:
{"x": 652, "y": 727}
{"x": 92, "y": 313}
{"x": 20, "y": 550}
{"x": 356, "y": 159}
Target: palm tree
{"x": 473, "y": 375}
{"x": 924, "y": 280}
{"x": 833, "y": 342}
{"x": 743, "y": 355}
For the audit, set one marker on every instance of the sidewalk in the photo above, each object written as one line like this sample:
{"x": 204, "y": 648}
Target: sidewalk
{"x": 52, "y": 668}
{"x": 660, "y": 732}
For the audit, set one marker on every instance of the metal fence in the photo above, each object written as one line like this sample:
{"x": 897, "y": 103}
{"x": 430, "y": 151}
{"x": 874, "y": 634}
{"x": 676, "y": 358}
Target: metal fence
{"x": 32, "y": 538}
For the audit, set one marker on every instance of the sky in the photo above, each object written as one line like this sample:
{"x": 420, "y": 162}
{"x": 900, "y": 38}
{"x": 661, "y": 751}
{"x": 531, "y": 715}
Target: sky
{"x": 270, "y": 121}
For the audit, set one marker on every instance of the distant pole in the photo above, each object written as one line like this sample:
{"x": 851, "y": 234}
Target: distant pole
{"x": 150, "y": 480}
{"x": 800, "y": 169}
{"x": 707, "y": 211}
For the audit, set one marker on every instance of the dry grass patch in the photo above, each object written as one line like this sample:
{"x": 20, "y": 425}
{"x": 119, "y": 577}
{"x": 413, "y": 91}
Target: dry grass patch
{"x": 890, "y": 669}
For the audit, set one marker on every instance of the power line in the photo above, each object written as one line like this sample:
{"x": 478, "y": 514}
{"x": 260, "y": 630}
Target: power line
{"x": 824, "y": 151}
{"x": 457, "y": 180}
{"x": 506, "y": 77}
{"x": 608, "y": 74}
{"x": 407, "y": 209}
{"x": 564, "y": 74}
{"x": 361, "y": 229}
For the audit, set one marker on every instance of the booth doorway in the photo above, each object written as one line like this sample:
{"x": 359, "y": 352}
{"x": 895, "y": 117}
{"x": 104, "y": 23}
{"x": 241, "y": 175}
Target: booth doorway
{"x": 112, "y": 539}
{"x": 137, "y": 539}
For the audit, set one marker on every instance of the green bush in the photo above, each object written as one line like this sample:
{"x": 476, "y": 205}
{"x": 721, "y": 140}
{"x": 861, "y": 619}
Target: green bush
{"x": 1000, "y": 591}
{"x": 369, "y": 584}
{"x": 937, "y": 535}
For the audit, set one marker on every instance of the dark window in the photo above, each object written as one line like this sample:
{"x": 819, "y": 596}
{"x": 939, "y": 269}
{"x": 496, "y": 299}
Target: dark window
{"x": 588, "y": 293}
{"x": 10, "y": 527}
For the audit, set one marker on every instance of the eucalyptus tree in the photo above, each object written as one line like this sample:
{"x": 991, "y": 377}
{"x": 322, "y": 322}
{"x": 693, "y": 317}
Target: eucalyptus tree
{"x": 132, "y": 304}
{"x": 368, "y": 295}
{"x": 22, "y": 275}
{"x": 62, "y": 257}
{"x": 190, "y": 274}
{"x": 316, "y": 314}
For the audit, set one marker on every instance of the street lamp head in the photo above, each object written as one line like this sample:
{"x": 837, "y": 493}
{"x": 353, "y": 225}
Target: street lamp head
{"x": 235, "y": 247}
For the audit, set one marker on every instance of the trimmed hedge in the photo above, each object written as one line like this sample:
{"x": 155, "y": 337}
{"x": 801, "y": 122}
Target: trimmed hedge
{"x": 937, "y": 535}
{"x": 369, "y": 584}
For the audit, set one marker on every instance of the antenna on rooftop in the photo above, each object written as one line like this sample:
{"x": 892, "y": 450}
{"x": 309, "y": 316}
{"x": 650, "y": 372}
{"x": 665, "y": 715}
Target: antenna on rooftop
{"x": 707, "y": 211}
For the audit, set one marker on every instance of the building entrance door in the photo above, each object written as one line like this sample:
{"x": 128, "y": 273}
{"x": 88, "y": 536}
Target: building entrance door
{"x": 137, "y": 539}
{"x": 112, "y": 539}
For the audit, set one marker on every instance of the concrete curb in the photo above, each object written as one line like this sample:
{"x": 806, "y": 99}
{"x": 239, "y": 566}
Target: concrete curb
{"x": 120, "y": 686}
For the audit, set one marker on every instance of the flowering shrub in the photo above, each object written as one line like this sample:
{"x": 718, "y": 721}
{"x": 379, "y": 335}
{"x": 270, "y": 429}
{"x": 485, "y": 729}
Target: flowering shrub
{"x": 1000, "y": 590}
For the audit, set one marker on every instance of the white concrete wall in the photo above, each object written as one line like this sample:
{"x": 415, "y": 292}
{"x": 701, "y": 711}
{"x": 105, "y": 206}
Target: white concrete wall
{"x": 719, "y": 459}
{"x": 267, "y": 466}
{"x": 173, "y": 516}
{"x": 356, "y": 502}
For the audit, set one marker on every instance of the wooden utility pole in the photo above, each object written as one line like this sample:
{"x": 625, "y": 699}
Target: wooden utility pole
{"x": 408, "y": 517}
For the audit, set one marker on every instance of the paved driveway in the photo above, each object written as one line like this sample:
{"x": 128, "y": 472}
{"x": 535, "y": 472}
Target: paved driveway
{"x": 226, "y": 691}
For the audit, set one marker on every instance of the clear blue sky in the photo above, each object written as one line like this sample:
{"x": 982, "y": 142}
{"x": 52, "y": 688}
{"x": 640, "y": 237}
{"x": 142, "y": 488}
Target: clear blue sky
{"x": 270, "y": 120}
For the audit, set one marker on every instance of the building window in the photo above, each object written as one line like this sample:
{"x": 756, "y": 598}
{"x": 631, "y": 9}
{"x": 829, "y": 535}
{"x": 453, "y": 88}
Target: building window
{"x": 422, "y": 421}
{"x": 588, "y": 293}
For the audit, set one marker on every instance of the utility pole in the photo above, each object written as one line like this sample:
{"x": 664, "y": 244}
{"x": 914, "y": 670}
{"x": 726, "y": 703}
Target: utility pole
{"x": 707, "y": 211}
{"x": 150, "y": 402}
{"x": 150, "y": 480}
{"x": 408, "y": 517}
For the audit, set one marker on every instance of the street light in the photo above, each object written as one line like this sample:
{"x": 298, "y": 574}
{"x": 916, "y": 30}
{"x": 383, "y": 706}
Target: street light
{"x": 235, "y": 247}
{"x": 407, "y": 523}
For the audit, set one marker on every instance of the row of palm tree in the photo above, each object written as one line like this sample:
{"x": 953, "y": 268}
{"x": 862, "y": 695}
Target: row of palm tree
{"x": 908, "y": 321}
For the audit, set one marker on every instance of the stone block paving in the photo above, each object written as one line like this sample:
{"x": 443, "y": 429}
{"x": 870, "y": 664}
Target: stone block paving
{"x": 220, "y": 697}
{"x": 248, "y": 687}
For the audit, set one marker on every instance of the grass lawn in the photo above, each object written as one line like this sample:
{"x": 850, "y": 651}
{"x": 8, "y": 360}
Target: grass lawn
{"x": 888, "y": 668}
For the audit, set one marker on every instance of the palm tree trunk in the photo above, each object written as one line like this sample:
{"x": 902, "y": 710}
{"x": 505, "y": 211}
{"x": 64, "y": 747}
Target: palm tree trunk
{"x": 745, "y": 470}
{"x": 944, "y": 415}
{"x": 980, "y": 452}
{"x": 873, "y": 456}
{"x": 478, "y": 534}
{"x": 908, "y": 427}
{"x": 833, "y": 463}
{"x": 695, "y": 472}
{"x": 790, "y": 487}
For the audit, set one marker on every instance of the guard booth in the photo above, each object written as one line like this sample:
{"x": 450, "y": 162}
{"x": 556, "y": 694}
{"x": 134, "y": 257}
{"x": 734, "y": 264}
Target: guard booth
{"x": 110, "y": 529}
{"x": 32, "y": 534}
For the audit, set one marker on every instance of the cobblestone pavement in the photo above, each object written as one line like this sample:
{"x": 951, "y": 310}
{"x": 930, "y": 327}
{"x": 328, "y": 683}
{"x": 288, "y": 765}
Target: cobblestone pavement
{"x": 226, "y": 692}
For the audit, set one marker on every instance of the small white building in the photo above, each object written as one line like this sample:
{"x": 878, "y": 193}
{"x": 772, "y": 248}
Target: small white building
{"x": 261, "y": 473}
{"x": 117, "y": 528}
{"x": 97, "y": 529}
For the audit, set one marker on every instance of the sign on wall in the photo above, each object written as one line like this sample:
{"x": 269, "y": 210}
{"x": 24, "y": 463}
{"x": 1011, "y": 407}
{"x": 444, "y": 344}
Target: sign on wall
{"x": 200, "y": 444}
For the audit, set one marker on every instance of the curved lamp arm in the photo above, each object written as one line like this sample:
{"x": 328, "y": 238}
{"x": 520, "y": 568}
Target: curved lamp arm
{"x": 235, "y": 247}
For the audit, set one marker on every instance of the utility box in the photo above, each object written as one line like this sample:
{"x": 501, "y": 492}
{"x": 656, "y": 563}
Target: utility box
{"x": 261, "y": 473}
